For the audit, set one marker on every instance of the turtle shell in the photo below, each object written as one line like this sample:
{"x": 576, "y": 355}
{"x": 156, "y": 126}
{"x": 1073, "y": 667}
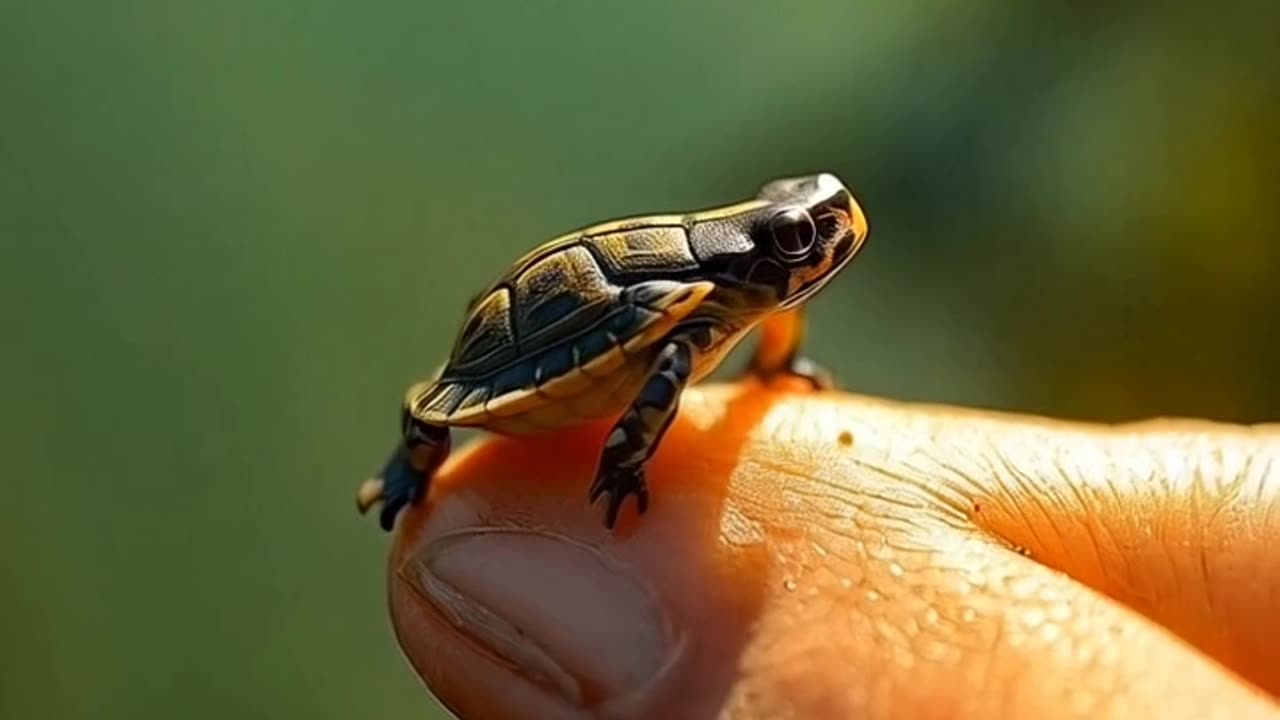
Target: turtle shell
{"x": 565, "y": 316}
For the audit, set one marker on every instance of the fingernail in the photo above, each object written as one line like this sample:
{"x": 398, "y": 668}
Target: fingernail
{"x": 561, "y": 613}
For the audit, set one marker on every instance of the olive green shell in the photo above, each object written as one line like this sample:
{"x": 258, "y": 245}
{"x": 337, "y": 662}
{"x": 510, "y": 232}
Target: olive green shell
{"x": 567, "y": 314}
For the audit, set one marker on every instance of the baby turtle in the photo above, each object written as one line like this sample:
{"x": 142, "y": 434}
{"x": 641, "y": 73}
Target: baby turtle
{"x": 614, "y": 320}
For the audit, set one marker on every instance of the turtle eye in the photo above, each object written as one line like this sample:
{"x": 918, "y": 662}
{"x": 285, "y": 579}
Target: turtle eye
{"x": 793, "y": 234}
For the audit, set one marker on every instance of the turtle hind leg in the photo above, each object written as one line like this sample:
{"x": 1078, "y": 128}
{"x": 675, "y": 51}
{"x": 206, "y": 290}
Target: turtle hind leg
{"x": 637, "y": 434}
{"x": 778, "y": 353}
{"x": 405, "y": 478}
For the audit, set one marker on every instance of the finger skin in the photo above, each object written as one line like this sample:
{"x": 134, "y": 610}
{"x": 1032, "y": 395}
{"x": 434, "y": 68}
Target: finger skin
{"x": 1178, "y": 519}
{"x": 821, "y": 555}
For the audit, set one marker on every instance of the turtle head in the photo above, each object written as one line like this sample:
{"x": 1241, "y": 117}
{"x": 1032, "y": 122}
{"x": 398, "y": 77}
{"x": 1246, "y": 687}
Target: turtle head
{"x": 812, "y": 228}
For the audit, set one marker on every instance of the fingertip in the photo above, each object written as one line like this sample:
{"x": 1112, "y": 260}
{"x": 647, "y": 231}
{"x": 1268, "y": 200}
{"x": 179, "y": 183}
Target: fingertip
{"x": 513, "y": 596}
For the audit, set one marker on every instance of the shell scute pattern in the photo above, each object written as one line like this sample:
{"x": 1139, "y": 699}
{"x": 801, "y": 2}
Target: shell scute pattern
{"x": 487, "y": 337}
{"x": 563, "y": 322}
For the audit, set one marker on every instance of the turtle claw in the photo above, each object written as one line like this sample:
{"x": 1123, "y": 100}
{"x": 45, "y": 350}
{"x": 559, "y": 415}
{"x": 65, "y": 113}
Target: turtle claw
{"x": 369, "y": 494}
{"x": 398, "y": 486}
{"x": 618, "y": 483}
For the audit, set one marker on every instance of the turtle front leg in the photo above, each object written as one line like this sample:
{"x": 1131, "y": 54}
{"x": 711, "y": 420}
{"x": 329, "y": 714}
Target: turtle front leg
{"x": 778, "y": 353}
{"x": 408, "y": 472}
{"x": 637, "y": 434}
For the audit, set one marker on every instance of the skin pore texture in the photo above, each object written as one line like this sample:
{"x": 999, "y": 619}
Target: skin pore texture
{"x": 830, "y": 555}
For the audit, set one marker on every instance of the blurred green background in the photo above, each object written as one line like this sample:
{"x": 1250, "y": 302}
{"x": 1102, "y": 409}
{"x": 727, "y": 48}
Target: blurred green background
{"x": 233, "y": 232}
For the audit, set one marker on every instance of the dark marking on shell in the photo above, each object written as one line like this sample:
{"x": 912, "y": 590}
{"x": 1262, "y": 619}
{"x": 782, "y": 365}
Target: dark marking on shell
{"x": 554, "y": 362}
{"x": 560, "y": 295}
{"x": 613, "y": 340}
{"x": 592, "y": 345}
{"x": 545, "y": 313}
{"x": 517, "y": 377}
{"x": 630, "y": 320}
{"x": 487, "y": 336}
